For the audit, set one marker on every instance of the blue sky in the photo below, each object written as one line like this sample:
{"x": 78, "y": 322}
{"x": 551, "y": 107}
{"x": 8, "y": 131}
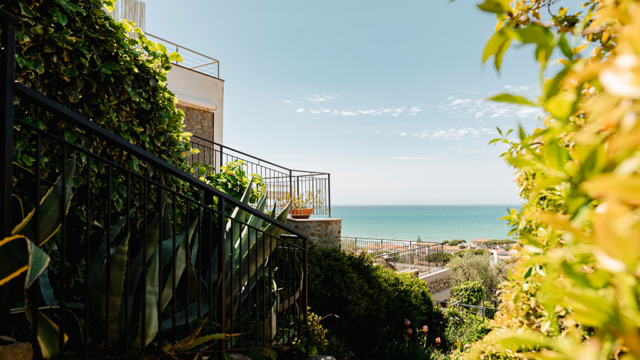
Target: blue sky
{"x": 387, "y": 96}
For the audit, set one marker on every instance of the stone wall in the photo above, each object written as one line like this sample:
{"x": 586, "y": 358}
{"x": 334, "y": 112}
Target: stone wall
{"x": 438, "y": 281}
{"x": 324, "y": 232}
{"x": 198, "y": 122}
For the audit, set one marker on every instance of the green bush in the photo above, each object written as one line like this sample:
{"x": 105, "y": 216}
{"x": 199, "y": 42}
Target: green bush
{"x": 453, "y": 242}
{"x": 462, "y": 253}
{"x": 464, "y": 327}
{"x": 371, "y": 302}
{"x": 469, "y": 292}
{"x": 473, "y": 267}
{"x": 439, "y": 257}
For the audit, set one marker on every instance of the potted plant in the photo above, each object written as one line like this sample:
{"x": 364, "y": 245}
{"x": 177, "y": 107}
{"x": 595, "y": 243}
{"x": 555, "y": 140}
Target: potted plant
{"x": 302, "y": 204}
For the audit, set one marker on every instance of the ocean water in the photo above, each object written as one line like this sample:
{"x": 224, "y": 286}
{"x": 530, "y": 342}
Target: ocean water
{"x": 430, "y": 222}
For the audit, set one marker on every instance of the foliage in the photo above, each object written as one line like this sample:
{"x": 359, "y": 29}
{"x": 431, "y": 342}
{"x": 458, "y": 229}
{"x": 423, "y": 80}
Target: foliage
{"x": 454, "y": 242}
{"x": 574, "y": 291}
{"x": 231, "y": 179}
{"x": 499, "y": 242}
{"x": 370, "y": 302}
{"x": 464, "y": 327}
{"x": 471, "y": 267}
{"x": 316, "y": 340}
{"x": 469, "y": 252}
{"x": 443, "y": 257}
{"x": 304, "y": 200}
{"x": 413, "y": 347}
{"x": 419, "y": 239}
{"x": 469, "y": 292}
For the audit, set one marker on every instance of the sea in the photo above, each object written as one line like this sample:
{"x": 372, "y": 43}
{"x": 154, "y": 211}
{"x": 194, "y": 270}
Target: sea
{"x": 430, "y": 222}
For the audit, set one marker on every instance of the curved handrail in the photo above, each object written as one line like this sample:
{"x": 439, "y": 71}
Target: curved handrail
{"x": 257, "y": 158}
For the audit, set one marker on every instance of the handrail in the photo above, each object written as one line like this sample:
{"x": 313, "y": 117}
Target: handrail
{"x": 257, "y": 158}
{"x": 381, "y": 239}
{"x": 403, "y": 251}
{"x": 55, "y": 108}
{"x": 206, "y": 63}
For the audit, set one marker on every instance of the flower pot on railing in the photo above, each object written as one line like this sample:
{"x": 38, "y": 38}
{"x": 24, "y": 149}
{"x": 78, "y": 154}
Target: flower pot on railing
{"x": 301, "y": 213}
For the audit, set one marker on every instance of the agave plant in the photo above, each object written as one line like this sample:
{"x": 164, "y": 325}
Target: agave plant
{"x": 246, "y": 249}
{"x": 122, "y": 259}
{"x": 21, "y": 252}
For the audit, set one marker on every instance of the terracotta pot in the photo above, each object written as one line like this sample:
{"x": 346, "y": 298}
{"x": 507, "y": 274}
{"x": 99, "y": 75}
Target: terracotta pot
{"x": 301, "y": 213}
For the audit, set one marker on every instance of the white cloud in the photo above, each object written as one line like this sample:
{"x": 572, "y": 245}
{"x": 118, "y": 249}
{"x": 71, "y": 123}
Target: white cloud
{"x": 403, "y": 134}
{"x": 300, "y": 110}
{"x": 348, "y": 131}
{"x": 460, "y": 102}
{"x": 435, "y": 157}
{"x": 387, "y": 110}
{"x": 399, "y": 110}
{"x": 287, "y": 101}
{"x": 315, "y": 111}
{"x": 320, "y": 98}
{"x": 415, "y": 109}
{"x": 448, "y": 134}
{"x": 348, "y": 113}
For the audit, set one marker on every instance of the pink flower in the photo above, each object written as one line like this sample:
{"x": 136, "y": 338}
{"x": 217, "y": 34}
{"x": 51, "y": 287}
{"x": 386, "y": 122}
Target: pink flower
{"x": 407, "y": 322}
{"x": 409, "y": 331}
{"x": 425, "y": 328}
{"x": 438, "y": 341}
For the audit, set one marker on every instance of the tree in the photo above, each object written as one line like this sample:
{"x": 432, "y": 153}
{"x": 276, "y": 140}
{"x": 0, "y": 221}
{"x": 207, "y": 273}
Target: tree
{"x": 577, "y": 175}
{"x": 419, "y": 239}
{"x": 478, "y": 268}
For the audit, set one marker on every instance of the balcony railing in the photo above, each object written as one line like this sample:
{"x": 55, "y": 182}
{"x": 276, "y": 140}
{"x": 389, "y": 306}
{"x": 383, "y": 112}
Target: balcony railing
{"x": 279, "y": 181}
{"x": 191, "y": 60}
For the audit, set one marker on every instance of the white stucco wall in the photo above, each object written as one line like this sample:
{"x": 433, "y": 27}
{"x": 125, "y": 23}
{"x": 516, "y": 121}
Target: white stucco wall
{"x": 199, "y": 91}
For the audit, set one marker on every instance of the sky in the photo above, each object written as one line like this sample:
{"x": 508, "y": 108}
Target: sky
{"x": 389, "y": 97}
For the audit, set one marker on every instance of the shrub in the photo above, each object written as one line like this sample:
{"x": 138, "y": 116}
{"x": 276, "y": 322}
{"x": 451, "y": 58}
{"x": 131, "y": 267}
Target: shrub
{"x": 453, "y": 242}
{"x": 439, "y": 257}
{"x": 464, "y": 327}
{"x": 473, "y": 252}
{"x": 471, "y": 267}
{"x": 371, "y": 302}
{"x": 574, "y": 292}
{"x": 469, "y": 292}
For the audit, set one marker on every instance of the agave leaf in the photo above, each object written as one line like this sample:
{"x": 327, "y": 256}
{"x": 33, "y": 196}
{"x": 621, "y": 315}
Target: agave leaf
{"x": 204, "y": 339}
{"x": 268, "y": 328}
{"x": 50, "y": 218}
{"x": 257, "y": 254}
{"x": 17, "y": 255}
{"x": 180, "y": 265}
{"x": 137, "y": 266}
{"x": 234, "y": 226}
{"x": 98, "y": 259}
{"x": 48, "y": 333}
{"x": 46, "y": 289}
{"x": 116, "y": 285}
{"x": 153, "y": 291}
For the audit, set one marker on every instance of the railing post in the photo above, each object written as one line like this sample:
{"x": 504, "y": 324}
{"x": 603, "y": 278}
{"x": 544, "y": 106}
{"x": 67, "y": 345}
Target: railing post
{"x": 329, "y": 192}
{"x": 220, "y": 165}
{"x": 222, "y": 257}
{"x": 290, "y": 185}
{"x": 7, "y": 67}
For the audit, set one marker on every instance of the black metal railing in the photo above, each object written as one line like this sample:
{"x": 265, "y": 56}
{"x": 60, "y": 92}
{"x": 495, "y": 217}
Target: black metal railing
{"x": 138, "y": 260}
{"x": 375, "y": 246}
{"x": 281, "y": 183}
{"x": 424, "y": 259}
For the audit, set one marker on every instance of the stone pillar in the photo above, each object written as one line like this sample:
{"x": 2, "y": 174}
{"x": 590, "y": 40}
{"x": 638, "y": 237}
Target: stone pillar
{"x": 322, "y": 231}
